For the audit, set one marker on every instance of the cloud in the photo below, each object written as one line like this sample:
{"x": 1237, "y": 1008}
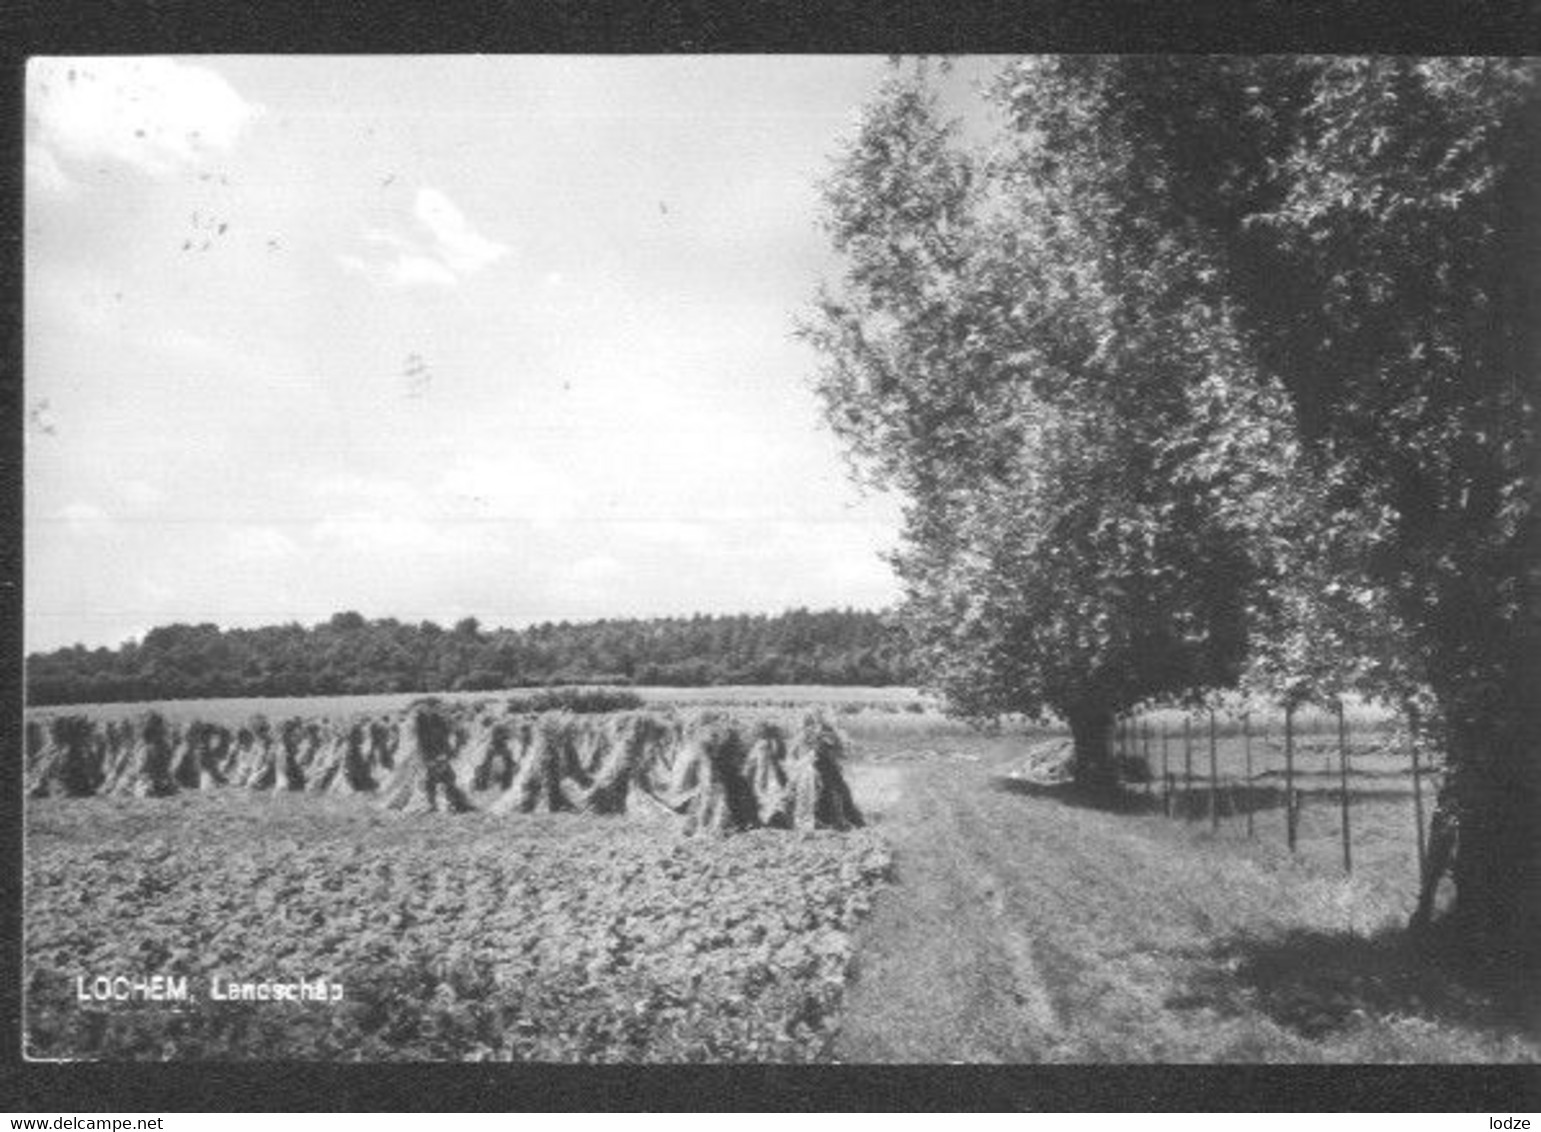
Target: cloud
{"x": 458, "y": 244}
{"x": 157, "y": 592}
{"x": 79, "y": 297}
{"x": 44, "y": 173}
{"x": 448, "y": 250}
{"x": 410, "y": 270}
{"x": 866, "y": 574}
{"x": 84, "y": 519}
{"x": 155, "y": 115}
{"x": 259, "y": 543}
{"x": 370, "y": 514}
{"x": 374, "y": 532}
{"x": 140, "y": 493}
{"x": 591, "y": 581}
{"x": 402, "y": 271}
{"x": 596, "y": 568}
{"x": 693, "y": 537}
{"x": 511, "y": 486}
{"x": 426, "y": 549}
{"x": 374, "y": 492}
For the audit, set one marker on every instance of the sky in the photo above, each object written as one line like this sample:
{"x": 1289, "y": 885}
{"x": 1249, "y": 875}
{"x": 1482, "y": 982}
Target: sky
{"x": 430, "y": 338}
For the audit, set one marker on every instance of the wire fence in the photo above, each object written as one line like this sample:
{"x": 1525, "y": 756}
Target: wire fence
{"x": 1261, "y": 773}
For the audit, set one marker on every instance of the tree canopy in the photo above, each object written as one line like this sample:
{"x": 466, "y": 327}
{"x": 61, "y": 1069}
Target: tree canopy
{"x": 1200, "y": 370}
{"x": 1025, "y": 359}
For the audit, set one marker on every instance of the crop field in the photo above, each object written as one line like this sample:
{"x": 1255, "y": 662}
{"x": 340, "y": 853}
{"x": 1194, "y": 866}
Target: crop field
{"x": 970, "y": 919}
{"x": 551, "y": 906}
{"x": 547, "y": 937}
{"x": 229, "y": 711}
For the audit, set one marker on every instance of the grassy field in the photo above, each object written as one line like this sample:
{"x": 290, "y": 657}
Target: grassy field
{"x": 230, "y": 711}
{"x": 1028, "y": 927}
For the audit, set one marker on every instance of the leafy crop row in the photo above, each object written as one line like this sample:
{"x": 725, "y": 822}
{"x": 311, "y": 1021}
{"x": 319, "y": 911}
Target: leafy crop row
{"x": 549, "y": 938}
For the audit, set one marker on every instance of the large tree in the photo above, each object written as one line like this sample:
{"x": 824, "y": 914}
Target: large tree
{"x": 1377, "y": 225}
{"x": 1018, "y": 354}
{"x": 1386, "y": 264}
{"x": 1360, "y": 237}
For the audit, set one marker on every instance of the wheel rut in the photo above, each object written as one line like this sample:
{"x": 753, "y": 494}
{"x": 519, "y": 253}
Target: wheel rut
{"x": 947, "y": 969}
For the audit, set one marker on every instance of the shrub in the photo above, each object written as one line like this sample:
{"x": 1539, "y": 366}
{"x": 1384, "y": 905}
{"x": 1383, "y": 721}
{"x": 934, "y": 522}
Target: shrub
{"x": 580, "y": 701}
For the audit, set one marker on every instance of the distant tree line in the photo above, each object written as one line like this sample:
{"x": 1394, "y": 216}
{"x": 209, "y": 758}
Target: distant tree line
{"x": 349, "y": 655}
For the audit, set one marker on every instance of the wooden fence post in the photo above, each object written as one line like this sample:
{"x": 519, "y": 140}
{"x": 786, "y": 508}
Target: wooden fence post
{"x": 1246, "y": 746}
{"x": 1166, "y": 774}
{"x": 1214, "y": 777}
{"x": 1123, "y": 760}
{"x": 1289, "y": 775}
{"x": 1188, "y": 767}
{"x": 1412, "y": 741}
{"x": 1145, "y": 753}
{"x": 1348, "y": 859}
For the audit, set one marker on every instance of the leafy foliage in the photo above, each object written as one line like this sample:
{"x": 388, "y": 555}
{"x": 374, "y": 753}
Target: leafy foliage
{"x": 1381, "y": 243}
{"x": 1016, "y": 350}
{"x": 1242, "y": 352}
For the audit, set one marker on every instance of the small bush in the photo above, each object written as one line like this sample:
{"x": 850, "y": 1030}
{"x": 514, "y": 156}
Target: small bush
{"x": 579, "y": 701}
{"x": 481, "y": 680}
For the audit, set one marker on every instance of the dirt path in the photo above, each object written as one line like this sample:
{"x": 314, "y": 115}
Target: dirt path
{"x": 1025, "y": 929}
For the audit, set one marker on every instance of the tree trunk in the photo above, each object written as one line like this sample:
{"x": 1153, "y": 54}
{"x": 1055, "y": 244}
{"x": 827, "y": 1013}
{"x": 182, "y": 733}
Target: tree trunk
{"x": 1092, "y": 730}
{"x": 1490, "y": 811}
